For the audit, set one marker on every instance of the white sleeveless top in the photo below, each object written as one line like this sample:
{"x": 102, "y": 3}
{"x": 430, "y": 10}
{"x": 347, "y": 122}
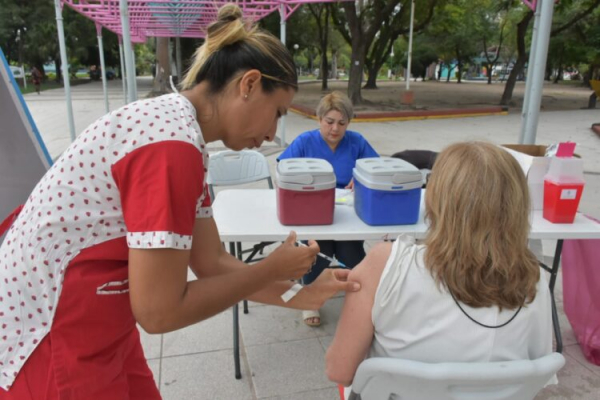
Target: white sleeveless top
{"x": 415, "y": 320}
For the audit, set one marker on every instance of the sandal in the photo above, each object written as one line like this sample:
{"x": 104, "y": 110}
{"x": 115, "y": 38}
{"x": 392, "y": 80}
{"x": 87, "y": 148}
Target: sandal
{"x": 311, "y": 317}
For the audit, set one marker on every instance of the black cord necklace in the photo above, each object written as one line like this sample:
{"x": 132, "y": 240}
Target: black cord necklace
{"x": 479, "y": 323}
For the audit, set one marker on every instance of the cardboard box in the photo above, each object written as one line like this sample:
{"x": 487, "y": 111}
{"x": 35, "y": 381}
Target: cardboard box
{"x": 535, "y": 166}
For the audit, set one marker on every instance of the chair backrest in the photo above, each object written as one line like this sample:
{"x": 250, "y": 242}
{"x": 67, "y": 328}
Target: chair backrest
{"x": 229, "y": 168}
{"x": 378, "y": 378}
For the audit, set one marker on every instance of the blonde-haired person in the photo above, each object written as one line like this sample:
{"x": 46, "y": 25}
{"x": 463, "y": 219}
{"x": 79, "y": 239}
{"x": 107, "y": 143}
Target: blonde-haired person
{"x": 341, "y": 148}
{"x": 105, "y": 239}
{"x": 472, "y": 292}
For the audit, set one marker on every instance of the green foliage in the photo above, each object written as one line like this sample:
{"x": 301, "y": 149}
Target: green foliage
{"x": 28, "y": 34}
{"x": 578, "y": 46}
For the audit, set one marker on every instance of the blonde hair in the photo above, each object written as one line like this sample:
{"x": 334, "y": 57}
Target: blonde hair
{"x": 335, "y": 101}
{"x": 231, "y": 48}
{"x": 477, "y": 204}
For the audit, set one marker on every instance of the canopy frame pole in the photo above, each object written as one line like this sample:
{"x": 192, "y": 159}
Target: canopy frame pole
{"x": 535, "y": 72}
{"x": 410, "y": 40}
{"x": 102, "y": 66}
{"x": 64, "y": 66}
{"x": 282, "y": 34}
{"x": 127, "y": 51}
{"x": 123, "y": 75}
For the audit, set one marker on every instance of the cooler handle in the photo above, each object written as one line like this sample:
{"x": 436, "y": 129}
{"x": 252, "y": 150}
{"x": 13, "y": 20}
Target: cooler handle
{"x": 401, "y": 179}
{"x": 303, "y": 179}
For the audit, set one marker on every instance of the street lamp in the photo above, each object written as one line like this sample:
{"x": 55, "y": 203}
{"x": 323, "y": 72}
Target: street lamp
{"x": 296, "y": 47}
{"x": 19, "y": 41}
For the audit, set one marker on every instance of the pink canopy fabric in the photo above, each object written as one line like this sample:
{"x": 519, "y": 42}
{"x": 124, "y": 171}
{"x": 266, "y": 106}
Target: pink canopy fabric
{"x": 174, "y": 18}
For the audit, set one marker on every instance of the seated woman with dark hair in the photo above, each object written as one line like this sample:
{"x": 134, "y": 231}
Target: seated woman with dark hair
{"x": 472, "y": 292}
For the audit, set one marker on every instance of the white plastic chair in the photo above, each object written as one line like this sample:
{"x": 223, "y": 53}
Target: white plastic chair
{"x": 230, "y": 168}
{"x": 377, "y": 378}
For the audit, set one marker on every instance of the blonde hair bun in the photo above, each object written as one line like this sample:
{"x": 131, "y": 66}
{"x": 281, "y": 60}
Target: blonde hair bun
{"x": 232, "y": 46}
{"x": 229, "y": 12}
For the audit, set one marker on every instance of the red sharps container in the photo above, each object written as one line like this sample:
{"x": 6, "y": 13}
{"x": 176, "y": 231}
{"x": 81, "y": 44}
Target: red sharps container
{"x": 305, "y": 191}
{"x": 563, "y": 186}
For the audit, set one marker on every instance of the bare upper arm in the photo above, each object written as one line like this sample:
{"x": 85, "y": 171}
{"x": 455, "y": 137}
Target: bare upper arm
{"x": 206, "y": 247}
{"x": 157, "y": 281}
{"x": 354, "y": 332}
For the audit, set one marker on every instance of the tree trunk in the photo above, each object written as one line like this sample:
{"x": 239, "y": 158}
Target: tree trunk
{"x": 449, "y": 73}
{"x": 58, "y": 70}
{"x": 163, "y": 66}
{"x": 334, "y": 55}
{"x": 548, "y": 72}
{"x": 559, "y": 74}
{"x": 356, "y": 69}
{"x": 521, "y": 59}
{"x": 324, "y": 69}
{"x": 488, "y": 71}
{"x": 372, "y": 78}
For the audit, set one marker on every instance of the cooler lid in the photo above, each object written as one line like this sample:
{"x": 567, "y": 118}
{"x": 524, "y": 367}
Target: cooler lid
{"x": 387, "y": 169}
{"x": 304, "y": 171}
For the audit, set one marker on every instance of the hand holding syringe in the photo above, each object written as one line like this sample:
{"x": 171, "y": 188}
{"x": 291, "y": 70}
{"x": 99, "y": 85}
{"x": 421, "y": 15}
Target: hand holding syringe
{"x": 341, "y": 264}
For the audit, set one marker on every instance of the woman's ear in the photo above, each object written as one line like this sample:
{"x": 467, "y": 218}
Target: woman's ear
{"x": 249, "y": 83}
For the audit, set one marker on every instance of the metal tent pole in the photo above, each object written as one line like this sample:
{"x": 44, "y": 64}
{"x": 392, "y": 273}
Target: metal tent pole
{"x": 64, "y": 66}
{"x": 530, "y": 67}
{"x": 530, "y": 120}
{"x": 102, "y": 66}
{"x": 410, "y": 40}
{"x": 135, "y": 91}
{"x": 127, "y": 51}
{"x": 123, "y": 76}
{"x": 282, "y": 37}
{"x": 178, "y": 59}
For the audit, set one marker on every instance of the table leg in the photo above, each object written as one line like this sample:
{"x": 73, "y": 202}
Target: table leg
{"x": 553, "y": 275}
{"x": 239, "y": 256}
{"x": 236, "y": 329}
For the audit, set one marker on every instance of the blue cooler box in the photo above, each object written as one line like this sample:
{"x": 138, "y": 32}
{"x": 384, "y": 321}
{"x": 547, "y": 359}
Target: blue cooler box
{"x": 387, "y": 191}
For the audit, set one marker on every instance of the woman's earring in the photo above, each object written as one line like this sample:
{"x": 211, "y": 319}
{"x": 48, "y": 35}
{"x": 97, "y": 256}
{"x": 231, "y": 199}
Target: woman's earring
{"x": 246, "y": 96}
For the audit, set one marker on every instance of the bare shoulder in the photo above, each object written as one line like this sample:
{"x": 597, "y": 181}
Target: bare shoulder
{"x": 369, "y": 271}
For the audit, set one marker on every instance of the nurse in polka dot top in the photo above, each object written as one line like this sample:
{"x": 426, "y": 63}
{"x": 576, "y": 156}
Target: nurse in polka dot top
{"x": 105, "y": 239}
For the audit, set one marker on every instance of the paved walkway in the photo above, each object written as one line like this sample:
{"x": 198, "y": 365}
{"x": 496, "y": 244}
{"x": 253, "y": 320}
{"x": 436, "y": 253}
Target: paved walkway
{"x": 281, "y": 357}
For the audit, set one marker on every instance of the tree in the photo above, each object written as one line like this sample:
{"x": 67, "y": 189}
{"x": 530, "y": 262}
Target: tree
{"x": 359, "y": 25}
{"x": 34, "y": 22}
{"x": 521, "y": 58}
{"x": 320, "y": 13}
{"x": 163, "y": 66}
{"x": 455, "y": 31}
{"x": 394, "y": 26}
{"x": 580, "y": 10}
{"x": 491, "y": 23}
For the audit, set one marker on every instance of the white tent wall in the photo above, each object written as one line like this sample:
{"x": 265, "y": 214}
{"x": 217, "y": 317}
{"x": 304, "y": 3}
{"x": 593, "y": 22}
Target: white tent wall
{"x": 24, "y": 158}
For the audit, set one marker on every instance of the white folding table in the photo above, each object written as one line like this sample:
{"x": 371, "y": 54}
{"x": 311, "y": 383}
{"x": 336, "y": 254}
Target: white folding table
{"x": 250, "y": 215}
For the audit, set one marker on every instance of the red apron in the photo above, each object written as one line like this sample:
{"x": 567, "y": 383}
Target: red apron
{"x": 93, "y": 349}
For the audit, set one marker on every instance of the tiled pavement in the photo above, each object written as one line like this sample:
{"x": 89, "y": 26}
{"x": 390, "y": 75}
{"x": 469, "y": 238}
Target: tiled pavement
{"x": 281, "y": 357}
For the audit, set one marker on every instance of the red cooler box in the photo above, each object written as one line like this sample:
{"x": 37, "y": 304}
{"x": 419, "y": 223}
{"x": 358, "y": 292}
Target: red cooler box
{"x": 305, "y": 191}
